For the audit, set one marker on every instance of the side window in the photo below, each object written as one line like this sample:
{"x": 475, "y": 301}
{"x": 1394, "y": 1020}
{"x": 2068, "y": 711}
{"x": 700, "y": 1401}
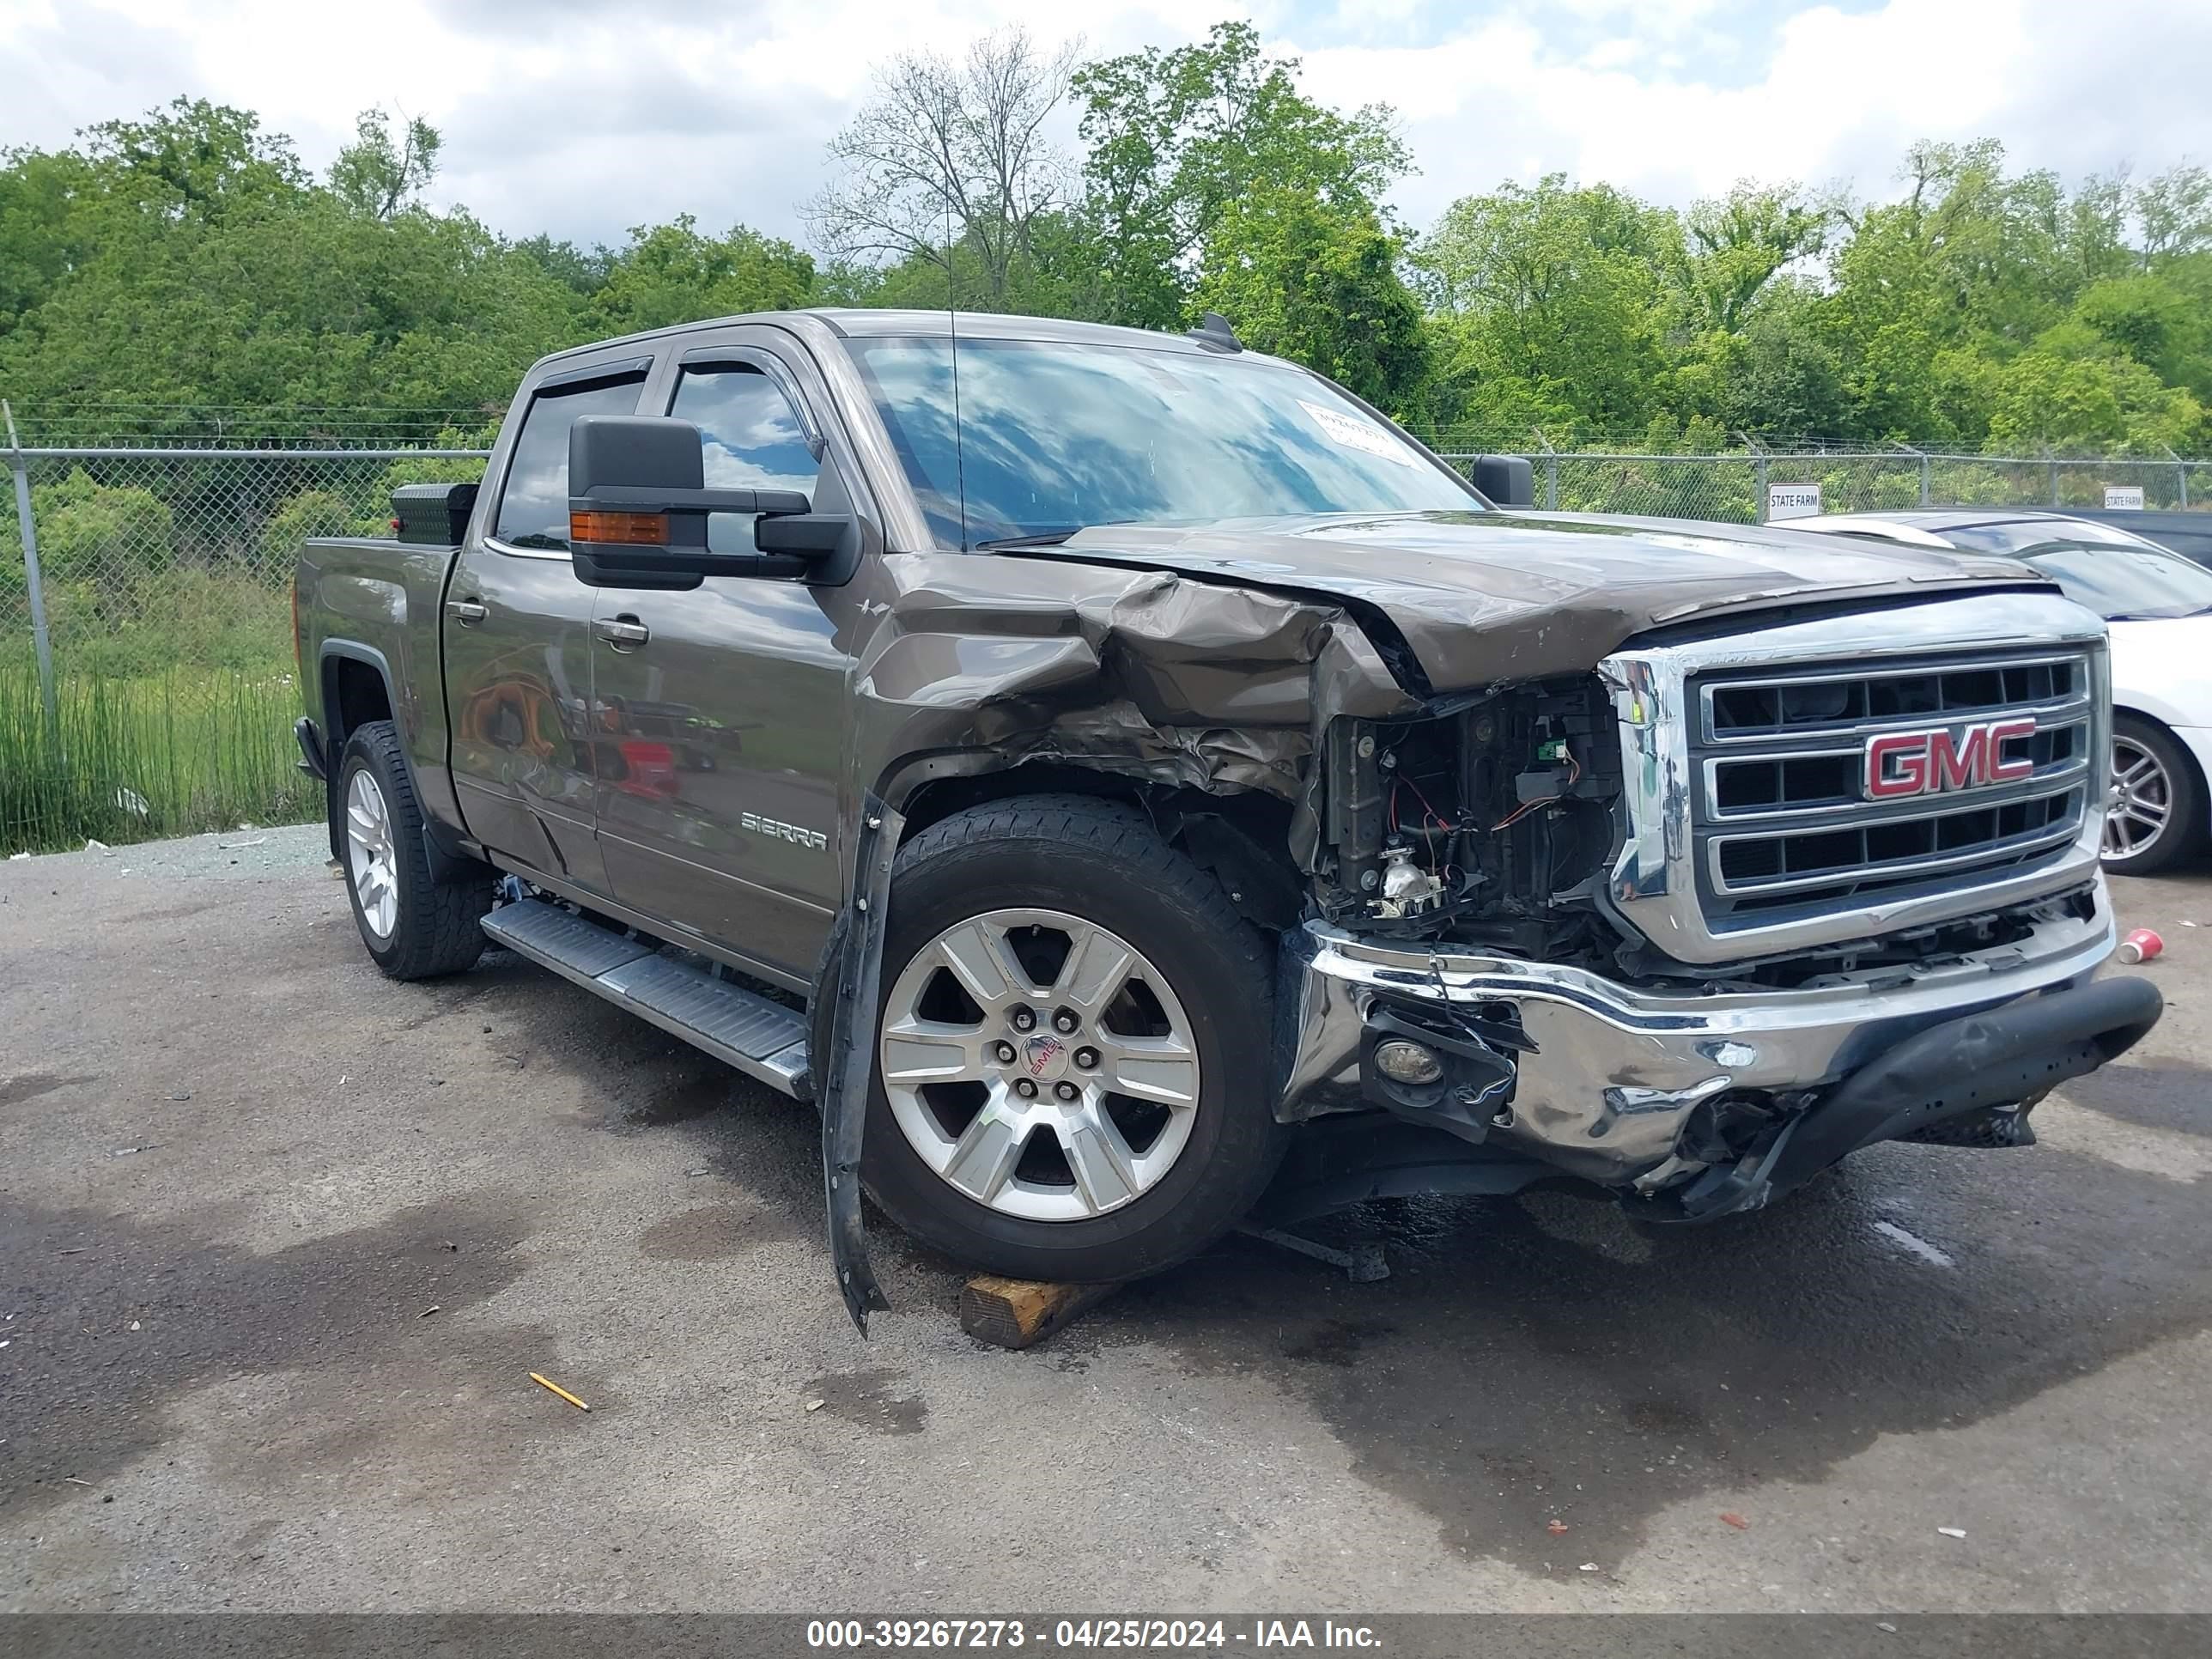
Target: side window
{"x": 752, "y": 439}
{"x": 534, "y": 510}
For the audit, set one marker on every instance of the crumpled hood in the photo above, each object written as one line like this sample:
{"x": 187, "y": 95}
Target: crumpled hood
{"x": 1480, "y": 597}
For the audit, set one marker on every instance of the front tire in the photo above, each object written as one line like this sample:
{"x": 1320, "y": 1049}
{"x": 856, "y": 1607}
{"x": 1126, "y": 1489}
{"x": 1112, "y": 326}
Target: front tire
{"x": 414, "y": 927}
{"x": 2158, "y": 817}
{"x": 1071, "y": 1071}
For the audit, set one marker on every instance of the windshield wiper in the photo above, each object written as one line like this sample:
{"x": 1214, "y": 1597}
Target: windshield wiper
{"x": 1032, "y": 538}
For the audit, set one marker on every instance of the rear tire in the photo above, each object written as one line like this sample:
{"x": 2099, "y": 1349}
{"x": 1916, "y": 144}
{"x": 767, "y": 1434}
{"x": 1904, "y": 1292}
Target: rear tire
{"x": 414, "y": 927}
{"x": 2159, "y": 819}
{"x": 1132, "y": 970}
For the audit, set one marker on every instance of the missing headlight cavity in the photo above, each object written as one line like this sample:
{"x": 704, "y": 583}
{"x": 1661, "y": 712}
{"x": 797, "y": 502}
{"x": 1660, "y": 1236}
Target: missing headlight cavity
{"x": 1485, "y": 825}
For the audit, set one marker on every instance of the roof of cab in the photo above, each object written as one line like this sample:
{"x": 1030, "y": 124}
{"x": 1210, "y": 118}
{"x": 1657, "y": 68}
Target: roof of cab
{"x": 853, "y": 322}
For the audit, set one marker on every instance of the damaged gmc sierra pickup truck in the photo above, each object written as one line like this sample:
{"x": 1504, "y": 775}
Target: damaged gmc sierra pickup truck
{"x": 1124, "y": 781}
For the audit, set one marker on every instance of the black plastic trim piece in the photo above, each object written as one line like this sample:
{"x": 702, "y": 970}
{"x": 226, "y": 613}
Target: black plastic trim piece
{"x": 312, "y": 761}
{"x": 847, "y": 1071}
{"x": 1966, "y": 1064}
{"x": 621, "y": 369}
{"x": 1340, "y": 1161}
{"x": 1964, "y": 1067}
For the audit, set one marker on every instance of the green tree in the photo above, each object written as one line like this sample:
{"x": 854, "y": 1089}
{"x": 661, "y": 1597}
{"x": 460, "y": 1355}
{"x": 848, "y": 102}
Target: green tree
{"x": 581, "y": 270}
{"x": 1734, "y": 246}
{"x": 2043, "y": 398}
{"x": 2175, "y": 211}
{"x": 216, "y": 286}
{"x": 1178, "y": 138}
{"x": 44, "y": 232}
{"x": 378, "y": 174}
{"x": 1971, "y": 267}
{"x": 310, "y": 513}
{"x": 91, "y": 532}
{"x": 195, "y": 159}
{"x": 1552, "y": 308}
{"x": 1318, "y": 283}
{"x": 672, "y": 274}
{"x": 950, "y": 164}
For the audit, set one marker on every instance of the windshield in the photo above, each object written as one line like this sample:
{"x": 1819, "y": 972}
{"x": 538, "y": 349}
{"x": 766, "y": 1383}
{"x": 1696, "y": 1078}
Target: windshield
{"x": 2126, "y": 583}
{"x": 1054, "y": 437}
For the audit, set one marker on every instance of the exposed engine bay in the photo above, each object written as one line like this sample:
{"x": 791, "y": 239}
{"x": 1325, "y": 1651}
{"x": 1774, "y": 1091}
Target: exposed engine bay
{"x": 1491, "y": 824}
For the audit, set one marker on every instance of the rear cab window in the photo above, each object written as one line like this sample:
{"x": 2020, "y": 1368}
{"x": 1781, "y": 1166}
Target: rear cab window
{"x": 534, "y": 507}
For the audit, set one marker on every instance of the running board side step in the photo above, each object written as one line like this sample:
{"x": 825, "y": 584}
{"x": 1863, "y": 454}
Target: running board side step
{"x": 740, "y": 1028}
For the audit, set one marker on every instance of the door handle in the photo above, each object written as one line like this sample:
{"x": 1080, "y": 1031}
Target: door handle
{"x": 622, "y": 633}
{"x": 467, "y": 613}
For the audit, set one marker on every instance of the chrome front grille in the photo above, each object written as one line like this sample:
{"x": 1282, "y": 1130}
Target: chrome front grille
{"x": 1782, "y": 815}
{"x": 1826, "y": 700}
{"x": 1754, "y": 826}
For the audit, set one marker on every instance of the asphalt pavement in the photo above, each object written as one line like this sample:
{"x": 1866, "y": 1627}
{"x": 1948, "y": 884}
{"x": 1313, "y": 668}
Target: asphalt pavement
{"x": 281, "y": 1242}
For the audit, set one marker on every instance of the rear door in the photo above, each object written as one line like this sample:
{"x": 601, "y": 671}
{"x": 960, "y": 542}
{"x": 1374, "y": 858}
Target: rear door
{"x": 724, "y": 706}
{"x": 517, "y": 640}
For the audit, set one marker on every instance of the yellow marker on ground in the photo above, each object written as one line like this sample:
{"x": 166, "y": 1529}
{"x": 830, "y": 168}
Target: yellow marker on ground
{"x": 547, "y": 1383}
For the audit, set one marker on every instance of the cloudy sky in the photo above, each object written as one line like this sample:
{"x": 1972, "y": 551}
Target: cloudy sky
{"x": 584, "y": 117}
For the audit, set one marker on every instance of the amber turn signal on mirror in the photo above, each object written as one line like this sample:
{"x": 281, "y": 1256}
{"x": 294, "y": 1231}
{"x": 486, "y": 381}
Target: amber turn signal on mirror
{"x": 624, "y": 529}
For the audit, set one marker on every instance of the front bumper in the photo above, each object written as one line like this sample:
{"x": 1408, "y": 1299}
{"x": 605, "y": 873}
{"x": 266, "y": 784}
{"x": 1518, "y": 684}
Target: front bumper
{"x": 1608, "y": 1076}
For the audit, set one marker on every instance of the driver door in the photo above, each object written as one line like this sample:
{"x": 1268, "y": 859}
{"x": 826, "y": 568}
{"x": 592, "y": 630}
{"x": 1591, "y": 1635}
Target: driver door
{"x": 722, "y": 708}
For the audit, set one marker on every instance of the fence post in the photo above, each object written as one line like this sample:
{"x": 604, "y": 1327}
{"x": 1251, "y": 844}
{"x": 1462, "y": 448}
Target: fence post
{"x": 2181, "y": 477}
{"x": 1550, "y": 477}
{"x": 2050, "y": 466}
{"x": 36, "y": 588}
{"x": 1927, "y": 480}
{"x": 1758, "y": 479}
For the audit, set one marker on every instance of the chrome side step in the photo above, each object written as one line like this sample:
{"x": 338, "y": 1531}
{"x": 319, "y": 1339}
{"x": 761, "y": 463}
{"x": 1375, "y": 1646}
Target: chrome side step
{"x": 740, "y": 1028}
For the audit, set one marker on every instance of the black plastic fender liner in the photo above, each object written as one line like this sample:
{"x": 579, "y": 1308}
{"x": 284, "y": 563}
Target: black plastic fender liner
{"x": 1967, "y": 1065}
{"x": 1344, "y": 1159}
{"x": 847, "y": 1067}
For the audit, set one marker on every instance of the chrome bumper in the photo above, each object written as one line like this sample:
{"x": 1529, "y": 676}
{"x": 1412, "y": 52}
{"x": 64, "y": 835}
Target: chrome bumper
{"x": 1612, "y": 1073}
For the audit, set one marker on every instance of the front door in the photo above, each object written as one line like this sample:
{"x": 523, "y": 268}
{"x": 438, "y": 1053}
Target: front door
{"x": 518, "y": 650}
{"x": 721, "y": 709}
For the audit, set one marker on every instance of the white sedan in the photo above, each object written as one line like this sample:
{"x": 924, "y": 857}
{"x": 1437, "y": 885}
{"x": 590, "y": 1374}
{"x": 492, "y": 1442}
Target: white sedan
{"x": 2159, "y": 608}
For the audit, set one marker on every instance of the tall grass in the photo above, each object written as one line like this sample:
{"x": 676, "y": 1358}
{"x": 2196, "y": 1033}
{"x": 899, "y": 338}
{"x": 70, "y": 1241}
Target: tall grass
{"x": 168, "y": 754}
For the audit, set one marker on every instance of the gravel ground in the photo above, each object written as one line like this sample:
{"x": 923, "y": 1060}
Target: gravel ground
{"x": 280, "y": 1242}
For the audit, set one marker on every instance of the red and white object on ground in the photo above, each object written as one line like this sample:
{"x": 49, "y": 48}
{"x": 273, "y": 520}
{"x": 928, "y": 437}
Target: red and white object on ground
{"x": 2140, "y": 946}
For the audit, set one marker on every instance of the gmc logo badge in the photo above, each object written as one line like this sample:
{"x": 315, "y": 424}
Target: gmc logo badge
{"x": 1933, "y": 763}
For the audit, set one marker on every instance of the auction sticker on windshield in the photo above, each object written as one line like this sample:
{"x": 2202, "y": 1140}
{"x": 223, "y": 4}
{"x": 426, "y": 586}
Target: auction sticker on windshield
{"x": 1355, "y": 433}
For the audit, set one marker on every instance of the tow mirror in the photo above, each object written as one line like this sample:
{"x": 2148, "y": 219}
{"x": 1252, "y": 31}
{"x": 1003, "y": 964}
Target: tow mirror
{"x": 638, "y": 505}
{"x": 1507, "y": 480}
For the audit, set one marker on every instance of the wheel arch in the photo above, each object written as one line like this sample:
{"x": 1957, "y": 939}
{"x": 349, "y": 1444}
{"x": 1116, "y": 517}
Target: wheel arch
{"x": 355, "y": 683}
{"x": 358, "y": 689}
{"x": 356, "y": 686}
{"x": 1242, "y": 836}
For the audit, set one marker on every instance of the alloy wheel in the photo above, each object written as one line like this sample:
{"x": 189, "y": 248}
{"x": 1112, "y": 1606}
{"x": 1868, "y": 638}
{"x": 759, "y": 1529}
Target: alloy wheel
{"x": 2141, "y": 808}
{"x": 369, "y": 854}
{"x": 1040, "y": 1064}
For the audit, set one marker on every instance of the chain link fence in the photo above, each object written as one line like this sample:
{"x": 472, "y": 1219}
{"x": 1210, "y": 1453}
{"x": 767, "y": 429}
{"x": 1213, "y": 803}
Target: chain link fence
{"x": 163, "y": 587}
{"x": 164, "y": 581}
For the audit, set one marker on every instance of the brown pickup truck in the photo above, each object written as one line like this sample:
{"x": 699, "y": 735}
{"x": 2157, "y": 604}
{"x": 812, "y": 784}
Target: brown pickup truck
{"x": 1125, "y": 780}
